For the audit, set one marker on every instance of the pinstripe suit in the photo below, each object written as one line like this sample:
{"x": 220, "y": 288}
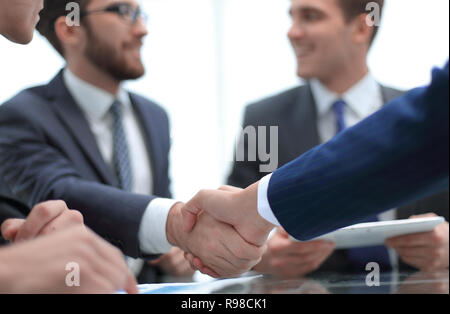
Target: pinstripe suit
{"x": 397, "y": 156}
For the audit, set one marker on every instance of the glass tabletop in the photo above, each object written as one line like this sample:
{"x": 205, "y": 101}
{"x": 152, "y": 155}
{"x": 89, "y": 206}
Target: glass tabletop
{"x": 333, "y": 283}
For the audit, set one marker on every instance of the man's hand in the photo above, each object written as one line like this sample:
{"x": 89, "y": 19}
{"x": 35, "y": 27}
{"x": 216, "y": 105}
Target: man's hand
{"x": 39, "y": 265}
{"x": 218, "y": 245}
{"x": 288, "y": 259}
{"x": 174, "y": 264}
{"x": 426, "y": 251}
{"x": 45, "y": 218}
{"x": 232, "y": 206}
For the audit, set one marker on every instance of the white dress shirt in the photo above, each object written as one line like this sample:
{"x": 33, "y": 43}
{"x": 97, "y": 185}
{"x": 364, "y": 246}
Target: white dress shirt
{"x": 362, "y": 100}
{"x": 95, "y": 103}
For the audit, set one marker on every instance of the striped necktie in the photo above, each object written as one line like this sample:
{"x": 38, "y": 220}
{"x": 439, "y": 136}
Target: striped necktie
{"x": 339, "y": 111}
{"x": 121, "y": 157}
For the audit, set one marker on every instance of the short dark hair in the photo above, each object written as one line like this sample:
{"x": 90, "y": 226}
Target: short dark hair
{"x": 353, "y": 8}
{"x": 53, "y": 9}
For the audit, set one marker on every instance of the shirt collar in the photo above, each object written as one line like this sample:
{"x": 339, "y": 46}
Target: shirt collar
{"x": 94, "y": 102}
{"x": 363, "y": 99}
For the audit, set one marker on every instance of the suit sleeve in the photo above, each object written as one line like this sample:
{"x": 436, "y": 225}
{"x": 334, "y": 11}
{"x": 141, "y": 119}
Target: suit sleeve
{"x": 397, "y": 156}
{"x": 38, "y": 172}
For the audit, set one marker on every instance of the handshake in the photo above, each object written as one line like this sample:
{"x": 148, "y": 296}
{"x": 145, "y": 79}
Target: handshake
{"x": 220, "y": 230}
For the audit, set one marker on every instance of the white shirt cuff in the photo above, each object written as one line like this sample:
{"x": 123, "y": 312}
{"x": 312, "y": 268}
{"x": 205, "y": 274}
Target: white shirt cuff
{"x": 264, "y": 209}
{"x": 152, "y": 232}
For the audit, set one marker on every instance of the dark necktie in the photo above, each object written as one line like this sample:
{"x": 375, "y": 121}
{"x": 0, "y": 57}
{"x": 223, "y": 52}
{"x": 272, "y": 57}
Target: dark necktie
{"x": 121, "y": 158}
{"x": 339, "y": 109}
{"x": 360, "y": 257}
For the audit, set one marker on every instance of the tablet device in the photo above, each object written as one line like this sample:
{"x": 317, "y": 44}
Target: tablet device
{"x": 376, "y": 233}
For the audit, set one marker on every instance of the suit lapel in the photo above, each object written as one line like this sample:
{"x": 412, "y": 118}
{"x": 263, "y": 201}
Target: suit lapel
{"x": 72, "y": 117}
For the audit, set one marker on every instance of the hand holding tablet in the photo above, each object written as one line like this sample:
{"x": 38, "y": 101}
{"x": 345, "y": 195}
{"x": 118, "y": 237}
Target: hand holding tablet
{"x": 376, "y": 233}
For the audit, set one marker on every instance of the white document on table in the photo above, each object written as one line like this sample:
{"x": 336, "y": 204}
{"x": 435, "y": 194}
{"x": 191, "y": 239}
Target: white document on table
{"x": 197, "y": 287}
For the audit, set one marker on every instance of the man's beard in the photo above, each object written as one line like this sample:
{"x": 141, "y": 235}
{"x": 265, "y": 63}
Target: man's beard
{"x": 108, "y": 59}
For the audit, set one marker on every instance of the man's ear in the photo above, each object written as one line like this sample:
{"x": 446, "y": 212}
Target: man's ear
{"x": 362, "y": 31}
{"x": 68, "y": 35}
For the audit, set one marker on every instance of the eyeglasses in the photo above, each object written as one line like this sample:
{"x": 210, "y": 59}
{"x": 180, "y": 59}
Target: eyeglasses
{"x": 126, "y": 11}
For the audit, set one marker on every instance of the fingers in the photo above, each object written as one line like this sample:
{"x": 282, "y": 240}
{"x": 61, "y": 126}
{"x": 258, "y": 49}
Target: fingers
{"x": 65, "y": 220}
{"x": 208, "y": 271}
{"x": 101, "y": 266}
{"x": 235, "y": 255}
{"x": 10, "y": 228}
{"x": 297, "y": 266}
{"x": 217, "y": 203}
{"x": 237, "y": 208}
{"x": 190, "y": 258}
{"x": 205, "y": 270}
{"x": 415, "y": 240}
{"x": 242, "y": 250}
{"x": 197, "y": 264}
{"x": 108, "y": 262}
{"x": 174, "y": 263}
{"x": 432, "y": 238}
{"x": 429, "y": 215}
{"x": 190, "y": 212}
{"x": 40, "y": 216}
{"x": 426, "y": 253}
{"x": 290, "y": 259}
{"x": 221, "y": 248}
{"x": 419, "y": 252}
{"x": 131, "y": 285}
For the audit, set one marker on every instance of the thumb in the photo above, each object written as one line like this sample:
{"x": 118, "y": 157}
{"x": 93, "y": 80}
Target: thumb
{"x": 217, "y": 203}
{"x": 189, "y": 214}
{"x": 193, "y": 208}
{"x": 10, "y": 228}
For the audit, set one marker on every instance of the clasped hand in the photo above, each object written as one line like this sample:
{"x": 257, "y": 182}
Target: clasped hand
{"x": 229, "y": 234}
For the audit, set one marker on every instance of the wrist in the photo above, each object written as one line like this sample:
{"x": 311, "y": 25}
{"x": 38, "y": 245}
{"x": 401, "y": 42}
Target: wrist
{"x": 174, "y": 225}
{"x": 252, "y": 195}
{"x": 249, "y": 200}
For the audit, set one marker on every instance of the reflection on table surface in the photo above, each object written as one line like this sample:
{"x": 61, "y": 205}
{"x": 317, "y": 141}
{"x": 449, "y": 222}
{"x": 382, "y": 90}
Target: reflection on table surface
{"x": 332, "y": 283}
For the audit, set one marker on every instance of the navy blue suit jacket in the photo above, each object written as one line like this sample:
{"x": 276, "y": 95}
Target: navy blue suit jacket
{"x": 47, "y": 151}
{"x": 395, "y": 157}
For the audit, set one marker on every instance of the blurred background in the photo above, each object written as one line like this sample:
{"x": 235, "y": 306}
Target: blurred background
{"x": 207, "y": 59}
